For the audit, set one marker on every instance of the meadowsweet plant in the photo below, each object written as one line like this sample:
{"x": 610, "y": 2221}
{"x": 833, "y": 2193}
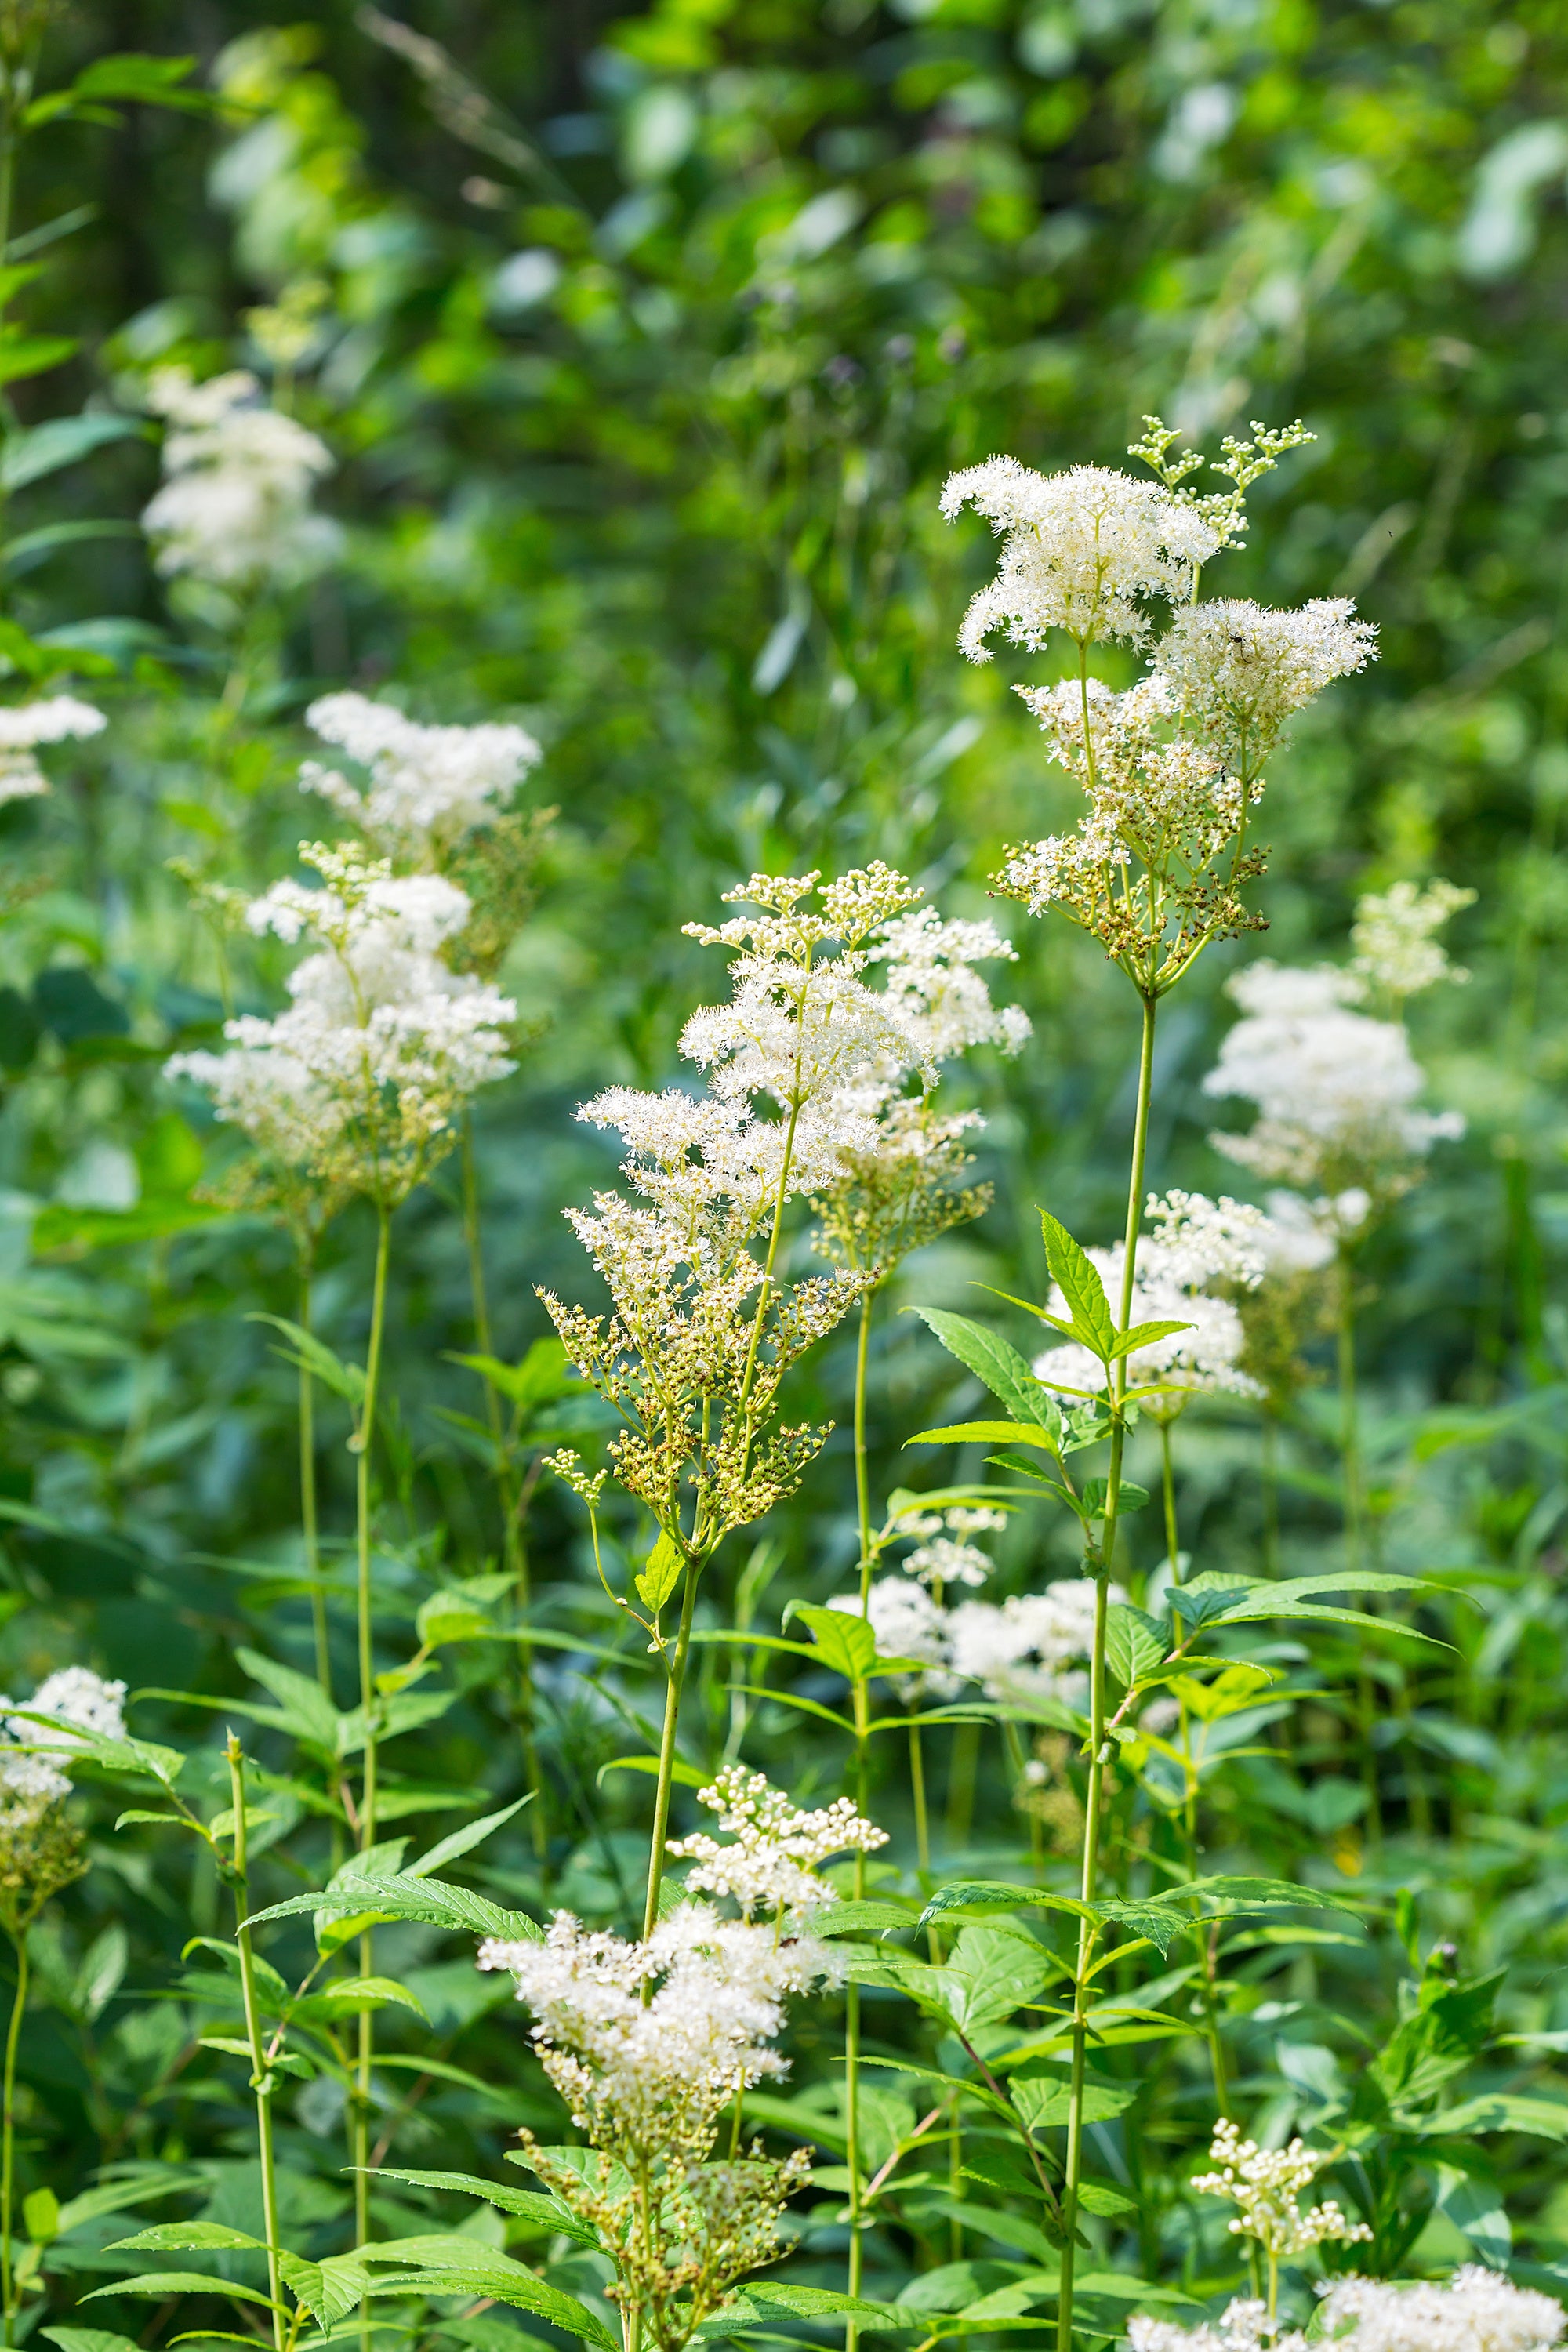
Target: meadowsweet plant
{"x": 651, "y": 2044}
{"x": 1172, "y": 771}
{"x": 1340, "y": 1123}
{"x": 1266, "y": 2185}
{"x": 42, "y": 1852}
{"x": 694, "y": 1355}
{"x": 235, "y": 515}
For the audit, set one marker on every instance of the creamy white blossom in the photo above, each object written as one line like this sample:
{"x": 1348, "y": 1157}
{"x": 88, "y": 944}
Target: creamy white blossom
{"x": 934, "y": 994}
{"x": 1265, "y": 2184}
{"x": 1476, "y": 2311}
{"x": 771, "y": 1862}
{"x": 1394, "y": 936}
{"x": 1336, "y": 1090}
{"x": 1240, "y": 671}
{"x": 381, "y": 1043}
{"x": 637, "y": 2035}
{"x": 235, "y": 506}
{"x": 1244, "y": 2326}
{"x": 24, "y": 726}
{"x": 1030, "y": 1644}
{"x": 427, "y": 786}
{"x": 73, "y": 1696}
{"x": 1082, "y": 551}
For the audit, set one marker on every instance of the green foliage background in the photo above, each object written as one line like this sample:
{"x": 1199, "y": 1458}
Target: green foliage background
{"x": 649, "y": 342}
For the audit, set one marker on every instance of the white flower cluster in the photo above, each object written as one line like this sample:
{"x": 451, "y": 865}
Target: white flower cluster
{"x": 360, "y": 1076}
{"x": 1195, "y": 1243}
{"x": 646, "y": 2039}
{"x": 1028, "y": 1645}
{"x": 428, "y": 786}
{"x": 934, "y": 994}
{"x": 24, "y": 726}
{"x": 33, "y": 1756}
{"x": 1265, "y": 2184}
{"x": 1336, "y": 1090}
{"x": 1241, "y": 671}
{"x": 1394, "y": 936}
{"x": 771, "y": 1864}
{"x": 1244, "y": 2326}
{"x": 1159, "y": 864}
{"x": 235, "y": 506}
{"x": 1080, "y": 552}
{"x": 1476, "y": 2311}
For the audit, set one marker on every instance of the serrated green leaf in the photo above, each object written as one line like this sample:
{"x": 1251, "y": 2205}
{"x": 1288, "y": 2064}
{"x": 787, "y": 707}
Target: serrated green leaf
{"x": 529, "y": 2204}
{"x": 844, "y": 1642}
{"x": 165, "y": 2237}
{"x": 1135, "y": 1643}
{"x": 426, "y": 1899}
{"x": 992, "y": 1360}
{"x": 1075, "y": 1276}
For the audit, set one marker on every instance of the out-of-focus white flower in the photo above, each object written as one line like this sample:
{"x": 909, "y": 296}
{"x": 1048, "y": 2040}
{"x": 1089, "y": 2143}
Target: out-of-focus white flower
{"x": 1336, "y": 1090}
{"x": 1081, "y": 551}
{"x": 770, "y": 1863}
{"x": 1476, "y": 2311}
{"x": 1264, "y": 2184}
{"x": 1395, "y": 936}
{"x": 73, "y": 1696}
{"x": 1027, "y": 1642}
{"x": 1241, "y": 671}
{"x": 24, "y": 726}
{"x": 235, "y": 506}
{"x": 1300, "y": 1236}
{"x": 1244, "y": 2326}
{"x": 428, "y": 786}
{"x": 381, "y": 1043}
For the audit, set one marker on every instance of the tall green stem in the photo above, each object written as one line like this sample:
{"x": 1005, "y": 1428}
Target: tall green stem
{"x": 364, "y": 1442}
{"x": 667, "y": 1750}
{"x": 852, "y": 1992}
{"x": 1090, "y": 1875}
{"x": 261, "y": 2078}
{"x": 8, "y": 2138}
{"x": 307, "y": 1513}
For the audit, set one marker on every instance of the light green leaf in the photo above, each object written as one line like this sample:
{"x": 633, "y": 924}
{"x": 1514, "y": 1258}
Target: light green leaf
{"x": 528, "y": 2203}
{"x": 992, "y": 1360}
{"x": 1135, "y": 1643}
{"x": 844, "y": 1642}
{"x": 1075, "y": 1276}
{"x": 662, "y": 1573}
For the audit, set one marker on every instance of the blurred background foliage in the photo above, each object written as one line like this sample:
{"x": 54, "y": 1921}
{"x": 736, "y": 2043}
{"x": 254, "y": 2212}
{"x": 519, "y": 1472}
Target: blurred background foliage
{"x": 644, "y": 343}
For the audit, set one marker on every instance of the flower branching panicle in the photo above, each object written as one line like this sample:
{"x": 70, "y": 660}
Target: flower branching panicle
{"x": 1242, "y": 462}
{"x": 1198, "y": 1255}
{"x": 649, "y": 2043}
{"x": 1172, "y": 768}
{"x": 1265, "y": 2184}
{"x": 770, "y": 1864}
{"x": 428, "y": 786}
{"x": 358, "y": 1083}
{"x": 24, "y": 726}
{"x": 1394, "y": 935}
{"x": 1477, "y": 2310}
{"x": 701, "y": 1334}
